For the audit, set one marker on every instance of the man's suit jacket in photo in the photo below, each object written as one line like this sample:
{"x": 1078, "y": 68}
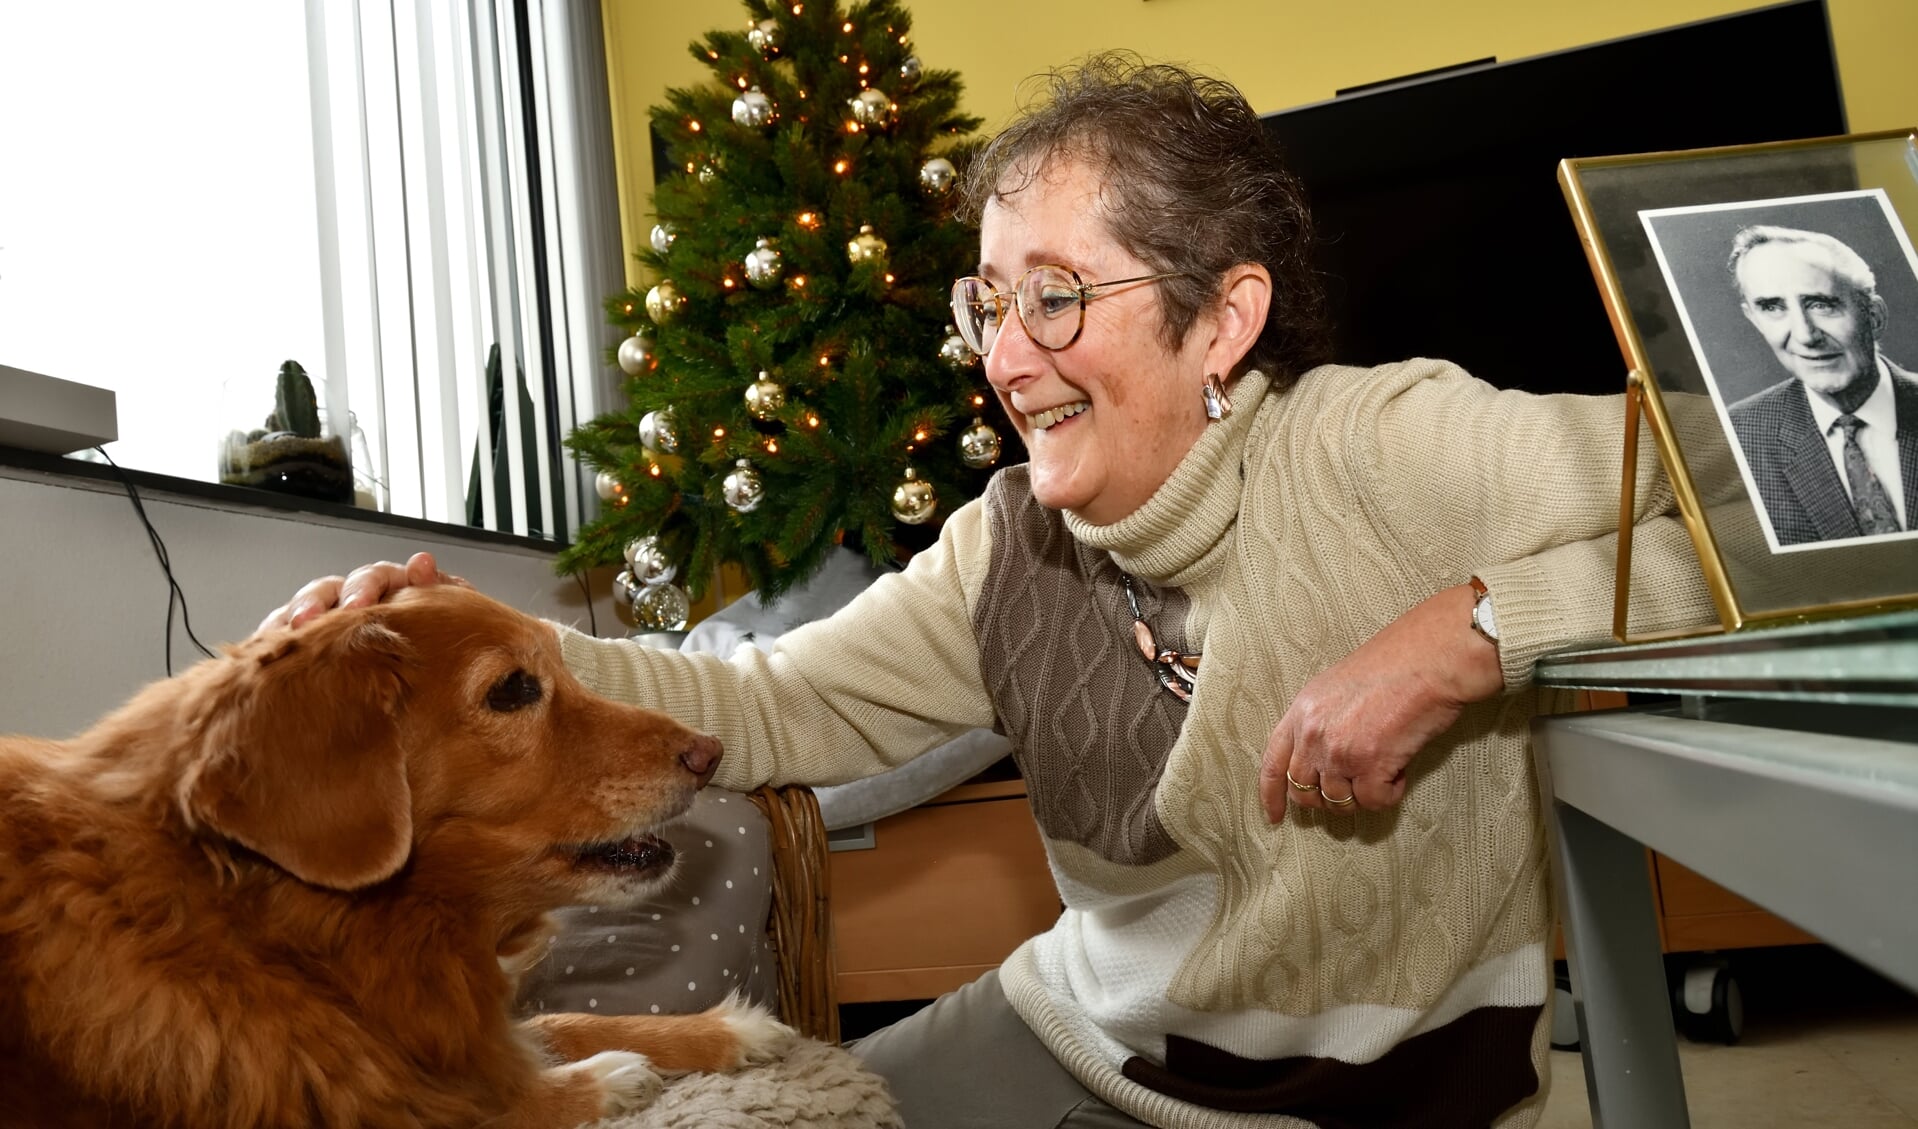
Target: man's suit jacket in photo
{"x": 1792, "y": 465}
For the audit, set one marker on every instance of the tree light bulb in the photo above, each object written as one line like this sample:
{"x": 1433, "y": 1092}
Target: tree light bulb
{"x": 846, "y": 27}
{"x": 694, "y": 126}
{"x": 812, "y": 421}
{"x": 889, "y": 280}
{"x": 719, "y": 433}
{"x": 864, "y": 69}
{"x": 798, "y": 8}
{"x": 772, "y": 446}
{"x": 824, "y": 360}
{"x": 920, "y": 435}
{"x": 838, "y": 166}
{"x": 741, "y": 82}
{"x": 653, "y": 470}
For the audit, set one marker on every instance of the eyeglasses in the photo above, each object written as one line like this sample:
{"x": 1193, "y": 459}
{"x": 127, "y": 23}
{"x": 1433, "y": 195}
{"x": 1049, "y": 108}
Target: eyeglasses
{"x": 1050, "y": 300}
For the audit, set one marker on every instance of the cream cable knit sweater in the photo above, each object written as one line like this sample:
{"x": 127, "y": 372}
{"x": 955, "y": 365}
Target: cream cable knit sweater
{"x": 1210, "y": 969}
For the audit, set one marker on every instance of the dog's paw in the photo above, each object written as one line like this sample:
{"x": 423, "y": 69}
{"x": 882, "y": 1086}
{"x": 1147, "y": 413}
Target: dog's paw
{"x": 761, "y": 1037}
{"x": 627, "y": 1080}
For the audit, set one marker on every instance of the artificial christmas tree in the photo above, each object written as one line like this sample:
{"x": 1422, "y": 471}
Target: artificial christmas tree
{"x": 792, "y": 376}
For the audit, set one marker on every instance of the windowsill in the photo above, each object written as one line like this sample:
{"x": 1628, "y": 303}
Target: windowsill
{"x": 241, "y": 499}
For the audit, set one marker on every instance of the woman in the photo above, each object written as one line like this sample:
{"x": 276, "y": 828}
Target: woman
{"x": 1261, "y": 632}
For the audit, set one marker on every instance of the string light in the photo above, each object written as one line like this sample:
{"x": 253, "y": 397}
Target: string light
{"x": 629, "y": 307}
{"x": 839, "y": 166}
{"x": 889, "y": 279}
{"x": 978, "y": 401}
{"x": 772, "y": 446}
{"x": 653, "y": 470}
{"x": 845, "y": 58}
{"x": 799, "y": 282}
{"x": 741, "y": 81}
{"x": 812, "y": 420}
{"x": 719, "y": 433}
{"x": 864, "y": 69}
{"x": 920, "y": 435}
{"x": 798, "y": 8}
{"x": 824, "y": 360}
{"x": 694, "y": 126}
{"x": 727, "y": 282}
{"x": 852, "y": 127}
{"x": 846, "y": 27}
{"x": 712, "y": 54}
{"x": 809, "y": 220}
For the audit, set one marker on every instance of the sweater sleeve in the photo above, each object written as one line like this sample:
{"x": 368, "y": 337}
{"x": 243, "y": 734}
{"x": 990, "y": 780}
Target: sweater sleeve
{"x": 892, "y": 674}
{"x": 1522, "y": 491}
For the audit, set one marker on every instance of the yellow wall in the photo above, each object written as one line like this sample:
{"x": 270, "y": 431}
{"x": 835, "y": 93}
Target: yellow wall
{"x": 1280, "y": 53}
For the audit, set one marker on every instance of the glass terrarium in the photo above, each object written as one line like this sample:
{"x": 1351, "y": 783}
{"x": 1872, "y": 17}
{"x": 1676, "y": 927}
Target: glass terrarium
{"x": 287, "y": 434}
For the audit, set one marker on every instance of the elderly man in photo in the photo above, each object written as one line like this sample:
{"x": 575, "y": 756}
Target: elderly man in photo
{"x": 1833, "y": 448}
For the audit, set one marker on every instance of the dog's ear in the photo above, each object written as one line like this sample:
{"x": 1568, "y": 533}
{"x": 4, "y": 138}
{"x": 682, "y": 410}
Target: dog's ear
{"x": 298, "y": 753}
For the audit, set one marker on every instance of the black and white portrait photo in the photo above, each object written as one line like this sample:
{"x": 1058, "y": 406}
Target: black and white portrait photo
{"x": 1803, "y": 315}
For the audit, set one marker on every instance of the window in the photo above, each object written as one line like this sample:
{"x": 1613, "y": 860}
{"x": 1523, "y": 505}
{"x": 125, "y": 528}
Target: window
{"x": 387, "y": 191}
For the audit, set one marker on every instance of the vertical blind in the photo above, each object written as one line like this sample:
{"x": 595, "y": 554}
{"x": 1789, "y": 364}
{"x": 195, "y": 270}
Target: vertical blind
{"x": 467, "y": 211}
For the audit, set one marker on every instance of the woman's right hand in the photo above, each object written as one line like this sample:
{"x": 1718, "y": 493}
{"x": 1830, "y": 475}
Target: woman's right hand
{"x": 365, "y": 585}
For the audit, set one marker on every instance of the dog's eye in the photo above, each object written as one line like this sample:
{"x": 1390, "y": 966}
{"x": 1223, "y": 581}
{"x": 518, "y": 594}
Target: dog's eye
{"x": 516, "y": 691}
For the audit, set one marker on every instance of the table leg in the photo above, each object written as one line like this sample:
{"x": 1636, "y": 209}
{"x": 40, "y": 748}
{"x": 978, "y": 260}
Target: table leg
{"x": 1618, "y": 978}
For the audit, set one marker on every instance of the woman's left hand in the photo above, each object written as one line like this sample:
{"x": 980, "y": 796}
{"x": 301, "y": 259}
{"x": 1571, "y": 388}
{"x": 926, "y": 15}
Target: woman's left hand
{"x": 1353, "y": 729}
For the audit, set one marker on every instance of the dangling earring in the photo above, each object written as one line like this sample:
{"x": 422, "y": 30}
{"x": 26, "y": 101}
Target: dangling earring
{"x": 1217, "y": 406}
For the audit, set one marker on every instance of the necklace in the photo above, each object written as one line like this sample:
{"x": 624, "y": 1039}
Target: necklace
{"x": 1177, "y": 672}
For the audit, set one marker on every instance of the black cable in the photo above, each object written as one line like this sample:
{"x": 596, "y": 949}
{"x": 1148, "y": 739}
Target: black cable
{"x": 579, "y": 574}
{"x": 174, "y": 591}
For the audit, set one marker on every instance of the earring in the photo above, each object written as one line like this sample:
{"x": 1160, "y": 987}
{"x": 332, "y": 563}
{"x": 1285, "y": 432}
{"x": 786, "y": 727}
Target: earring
{"x": 1217, "y": 406}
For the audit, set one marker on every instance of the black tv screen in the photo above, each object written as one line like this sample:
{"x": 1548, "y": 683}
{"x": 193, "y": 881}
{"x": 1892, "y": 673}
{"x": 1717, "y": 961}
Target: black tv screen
{"x": 1442, "y": 228}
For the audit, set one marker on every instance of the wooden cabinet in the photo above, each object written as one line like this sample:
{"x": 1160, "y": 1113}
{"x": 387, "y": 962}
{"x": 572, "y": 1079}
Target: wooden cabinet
{"x": 944, "y": 894}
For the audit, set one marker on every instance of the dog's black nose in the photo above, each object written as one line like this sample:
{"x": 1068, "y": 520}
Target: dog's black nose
{"x": 701, "y": 757}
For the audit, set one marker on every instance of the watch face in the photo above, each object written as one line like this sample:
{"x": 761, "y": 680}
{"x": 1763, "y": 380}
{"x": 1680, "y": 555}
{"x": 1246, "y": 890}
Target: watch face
{"x": 1482, "y": 615}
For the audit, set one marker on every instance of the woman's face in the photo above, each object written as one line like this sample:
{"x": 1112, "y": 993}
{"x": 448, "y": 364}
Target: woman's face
{"x": 1138, "y": 405}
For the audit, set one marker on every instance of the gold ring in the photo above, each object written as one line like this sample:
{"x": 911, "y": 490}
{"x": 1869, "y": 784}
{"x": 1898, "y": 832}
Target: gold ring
{"x": 1340, "y": 803}
{"x": 1299, "y": 786}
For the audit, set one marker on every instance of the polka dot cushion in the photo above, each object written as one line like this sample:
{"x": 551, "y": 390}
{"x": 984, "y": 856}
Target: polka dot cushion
{"x": 701, "y": 937}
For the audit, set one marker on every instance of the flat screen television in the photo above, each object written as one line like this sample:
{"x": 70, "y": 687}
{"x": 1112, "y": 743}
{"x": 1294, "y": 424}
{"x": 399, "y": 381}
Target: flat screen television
{"x": 1442, "y": 229}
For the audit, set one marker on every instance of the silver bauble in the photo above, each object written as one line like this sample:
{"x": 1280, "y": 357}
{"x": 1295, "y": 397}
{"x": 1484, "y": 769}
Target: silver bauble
{"x": 658, "y": 432}
{"x": 662, "y": 237}
{"x": 608, "y": 486}
{"x": 764, "y": 38}
{"x": 754, "y": 110}
{"x": 626, "y": 587}
{"x": 764, "y": 397}
{"x": 979, "y": 445}
{"x": 871, "y": 107}
{"x": 866, "y": 247}
{"x": 910, "y": 68}
{"x": 913, "y": 500}
{"x": 937, "y": 178}
{"x": 637, "y": 356}
{"x": 742, "y": 488}
{"x": 708, "y": 171}
{"x": 661, "y": 607}
{"x": 956, "y": 353}
{"x": 649, "y": 563}
{"x": 764, "y": 264}
{"x": 664, "y": 302}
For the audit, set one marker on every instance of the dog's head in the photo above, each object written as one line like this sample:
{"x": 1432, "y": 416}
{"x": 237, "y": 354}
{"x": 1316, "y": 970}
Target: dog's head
{"x": 437, "y": 733}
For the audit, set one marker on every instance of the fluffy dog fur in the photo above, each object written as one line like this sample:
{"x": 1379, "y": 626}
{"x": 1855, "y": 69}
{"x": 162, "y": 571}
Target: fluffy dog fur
{"x": 291, "y": 886}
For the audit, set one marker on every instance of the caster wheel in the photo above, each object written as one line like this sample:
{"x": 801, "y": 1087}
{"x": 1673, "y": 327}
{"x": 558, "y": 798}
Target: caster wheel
{"x": 1564, "y": 1019}
{"x": 1708, "y": 1005}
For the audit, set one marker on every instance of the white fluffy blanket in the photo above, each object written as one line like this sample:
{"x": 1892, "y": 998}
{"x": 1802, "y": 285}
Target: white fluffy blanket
{"x": 814, "y": 1086}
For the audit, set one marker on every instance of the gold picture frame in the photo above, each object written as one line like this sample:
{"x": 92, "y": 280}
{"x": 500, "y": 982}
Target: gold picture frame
{"x": 1759, "y": 295}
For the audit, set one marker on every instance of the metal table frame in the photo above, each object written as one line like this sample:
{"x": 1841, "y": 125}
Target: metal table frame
{"x": 1787, "y": 773}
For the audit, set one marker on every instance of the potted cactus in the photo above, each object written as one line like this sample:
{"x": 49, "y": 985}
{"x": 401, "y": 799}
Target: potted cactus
{"x": 294, "y": 452}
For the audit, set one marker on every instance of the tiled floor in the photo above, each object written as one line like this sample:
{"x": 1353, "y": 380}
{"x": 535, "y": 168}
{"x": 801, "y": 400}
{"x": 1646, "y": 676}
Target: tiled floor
{"x": 1826, "y": 1043}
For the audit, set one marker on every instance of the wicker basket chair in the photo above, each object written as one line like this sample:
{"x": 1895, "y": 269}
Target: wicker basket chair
{"x": 799, "y": 929}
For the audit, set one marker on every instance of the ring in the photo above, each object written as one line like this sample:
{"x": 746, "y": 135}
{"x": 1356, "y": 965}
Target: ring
{"x": 1340, "y": 803}
{"x": 1299, "y": 786}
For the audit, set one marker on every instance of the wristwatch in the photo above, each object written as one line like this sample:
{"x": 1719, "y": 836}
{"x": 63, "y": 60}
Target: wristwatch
{"x": 1483, "y": 621}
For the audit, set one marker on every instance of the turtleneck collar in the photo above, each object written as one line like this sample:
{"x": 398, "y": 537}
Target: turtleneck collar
{"x": 1182, "y": 532}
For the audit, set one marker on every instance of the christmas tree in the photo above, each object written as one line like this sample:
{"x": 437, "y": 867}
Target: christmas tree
{"x": 793, "y": 379}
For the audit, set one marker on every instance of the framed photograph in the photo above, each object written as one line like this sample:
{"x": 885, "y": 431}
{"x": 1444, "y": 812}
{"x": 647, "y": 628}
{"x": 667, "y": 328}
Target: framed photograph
{"x": 1765, "y": 298}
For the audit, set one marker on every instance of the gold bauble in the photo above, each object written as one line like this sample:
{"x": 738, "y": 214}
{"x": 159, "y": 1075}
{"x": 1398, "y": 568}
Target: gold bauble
{"x": 866, "y": 247}
{"x": 764, "y": 397}
{"x": 979, "y": 445}
{"x": 664, "y": 302}
{"x": 913, "y": 500}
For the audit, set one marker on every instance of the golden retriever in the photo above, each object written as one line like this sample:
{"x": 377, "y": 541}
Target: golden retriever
{"x": 292, "y": 886}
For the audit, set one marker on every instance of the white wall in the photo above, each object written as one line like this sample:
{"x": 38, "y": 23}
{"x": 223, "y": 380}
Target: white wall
{"x": 83, "y": 600}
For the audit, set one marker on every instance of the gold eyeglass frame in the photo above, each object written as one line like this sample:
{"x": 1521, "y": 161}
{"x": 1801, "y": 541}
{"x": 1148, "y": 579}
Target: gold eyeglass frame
{"x": 1086, "y": 291}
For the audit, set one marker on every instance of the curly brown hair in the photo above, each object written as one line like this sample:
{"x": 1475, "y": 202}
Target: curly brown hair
{"x": 1192, "y": 185}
